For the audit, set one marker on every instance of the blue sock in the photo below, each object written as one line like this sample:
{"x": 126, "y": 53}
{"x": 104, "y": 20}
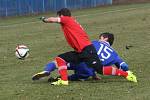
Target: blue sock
{"x": 50, "y": 67}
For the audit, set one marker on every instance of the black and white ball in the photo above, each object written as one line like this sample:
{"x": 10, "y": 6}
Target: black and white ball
{"x": 22, "y": 51}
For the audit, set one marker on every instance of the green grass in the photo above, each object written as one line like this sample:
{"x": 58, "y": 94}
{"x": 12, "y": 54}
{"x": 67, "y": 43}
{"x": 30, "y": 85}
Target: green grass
{"x": 129, "y": 23}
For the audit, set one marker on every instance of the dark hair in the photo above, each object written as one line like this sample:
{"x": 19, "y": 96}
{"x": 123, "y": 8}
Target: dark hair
{"x": 108, "y": 35}
{"x": 64, "y": 12}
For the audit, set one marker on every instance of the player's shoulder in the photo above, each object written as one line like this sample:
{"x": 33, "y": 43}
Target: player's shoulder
{"x": 63, "y": 18}
{"x": 100, "y": 42}
{"x": 67, "y": 17}
{"x": 95, "y": 41}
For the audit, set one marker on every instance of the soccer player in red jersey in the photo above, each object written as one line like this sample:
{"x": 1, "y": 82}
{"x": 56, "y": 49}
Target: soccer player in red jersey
{"x": 78, "y": 39}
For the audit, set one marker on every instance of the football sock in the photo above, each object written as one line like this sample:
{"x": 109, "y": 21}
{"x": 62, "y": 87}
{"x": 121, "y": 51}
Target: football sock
{"x": 62, "y": 68}
{"x": 110, "y": 70}
{"x": 51, "y": 66}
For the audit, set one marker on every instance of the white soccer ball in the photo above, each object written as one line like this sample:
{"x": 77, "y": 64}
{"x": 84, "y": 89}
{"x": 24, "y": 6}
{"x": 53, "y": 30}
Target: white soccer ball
{"x": 22, "y": 51}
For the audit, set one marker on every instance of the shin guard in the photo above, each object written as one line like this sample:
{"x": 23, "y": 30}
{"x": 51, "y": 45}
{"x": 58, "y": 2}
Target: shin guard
{"x": 62, "y": 68}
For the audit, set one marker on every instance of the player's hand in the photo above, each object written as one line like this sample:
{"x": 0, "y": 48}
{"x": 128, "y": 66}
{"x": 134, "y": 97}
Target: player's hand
{"x": 124, "y": 67}
{"x": 43, "y": 19}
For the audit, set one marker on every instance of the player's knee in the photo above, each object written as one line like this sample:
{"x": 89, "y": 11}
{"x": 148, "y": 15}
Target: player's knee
{"x": 60, "y": 62}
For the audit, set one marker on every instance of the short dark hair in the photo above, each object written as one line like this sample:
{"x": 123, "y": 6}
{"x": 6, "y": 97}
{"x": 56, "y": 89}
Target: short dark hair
{"x": 64, "y": 12}
{"x": 108, "y": 35}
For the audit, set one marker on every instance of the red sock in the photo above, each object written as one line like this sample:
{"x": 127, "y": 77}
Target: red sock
{"x": 63, "y": 74}
{"x": 62, "y": 68}
{"x": 110, "y": 70}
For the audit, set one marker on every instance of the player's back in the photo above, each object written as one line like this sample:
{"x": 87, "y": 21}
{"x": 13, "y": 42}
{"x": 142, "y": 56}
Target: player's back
{"x": 74, "y": 33}
{"x": 106, "y": 53}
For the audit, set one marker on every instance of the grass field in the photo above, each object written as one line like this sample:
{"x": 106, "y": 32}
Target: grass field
{"x": 129, "y": 23}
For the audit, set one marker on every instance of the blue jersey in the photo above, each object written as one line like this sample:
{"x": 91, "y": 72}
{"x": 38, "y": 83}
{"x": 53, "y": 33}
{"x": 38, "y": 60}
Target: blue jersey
{"x": 107, "y": 54}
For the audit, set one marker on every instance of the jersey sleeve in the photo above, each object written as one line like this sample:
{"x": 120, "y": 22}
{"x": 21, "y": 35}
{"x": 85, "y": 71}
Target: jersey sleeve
{"x": 121, "y": 64}
{"x": 118, "y": 61}
{"x": 63, "y": 20}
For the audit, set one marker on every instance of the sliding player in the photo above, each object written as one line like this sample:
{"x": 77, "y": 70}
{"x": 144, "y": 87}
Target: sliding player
{"x": 107, "y": 55}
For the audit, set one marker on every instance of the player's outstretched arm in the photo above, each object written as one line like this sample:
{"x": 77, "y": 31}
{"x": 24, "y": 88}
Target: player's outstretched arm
{"x": 120, "y": 64}
{"x": 50, "y": 19}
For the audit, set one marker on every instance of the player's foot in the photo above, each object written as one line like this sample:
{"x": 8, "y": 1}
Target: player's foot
{"x": 60, "y": 82}
{"x": 131, "y": 77}
{"x": 51, "y": 79}
{"x": 40, "y": 75}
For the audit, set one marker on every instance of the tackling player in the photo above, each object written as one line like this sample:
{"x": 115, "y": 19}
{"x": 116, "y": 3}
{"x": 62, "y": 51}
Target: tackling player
{"x": 78, "y": 39}
{"x": 106, "y": 54}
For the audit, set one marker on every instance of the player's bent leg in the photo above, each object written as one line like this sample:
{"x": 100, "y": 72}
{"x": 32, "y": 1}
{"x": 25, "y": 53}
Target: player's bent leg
{"x": 131, "y": 77}
{"x": 60, "y": 82}
{"x": 47, "y": 70}
{"x": 109, "y": 70}
{"x": 40, "y": 75}
{"x": 62, "y": 68}
{"x": 91, "y": 59}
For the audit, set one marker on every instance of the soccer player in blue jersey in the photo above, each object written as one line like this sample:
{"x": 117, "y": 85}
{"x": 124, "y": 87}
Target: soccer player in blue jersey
{"x": 108, "y": 57}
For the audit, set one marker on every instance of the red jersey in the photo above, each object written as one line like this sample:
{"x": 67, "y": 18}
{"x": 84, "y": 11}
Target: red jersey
{"x": 76, "y": 37}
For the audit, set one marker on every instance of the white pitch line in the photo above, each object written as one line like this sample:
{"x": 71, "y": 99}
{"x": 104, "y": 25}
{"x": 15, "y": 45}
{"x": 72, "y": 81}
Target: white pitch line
{"x": 98, "y": 13}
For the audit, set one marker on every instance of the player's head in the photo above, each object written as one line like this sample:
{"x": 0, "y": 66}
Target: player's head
{"x": 64, "y": 12}
{"x": 106, "y": 36}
